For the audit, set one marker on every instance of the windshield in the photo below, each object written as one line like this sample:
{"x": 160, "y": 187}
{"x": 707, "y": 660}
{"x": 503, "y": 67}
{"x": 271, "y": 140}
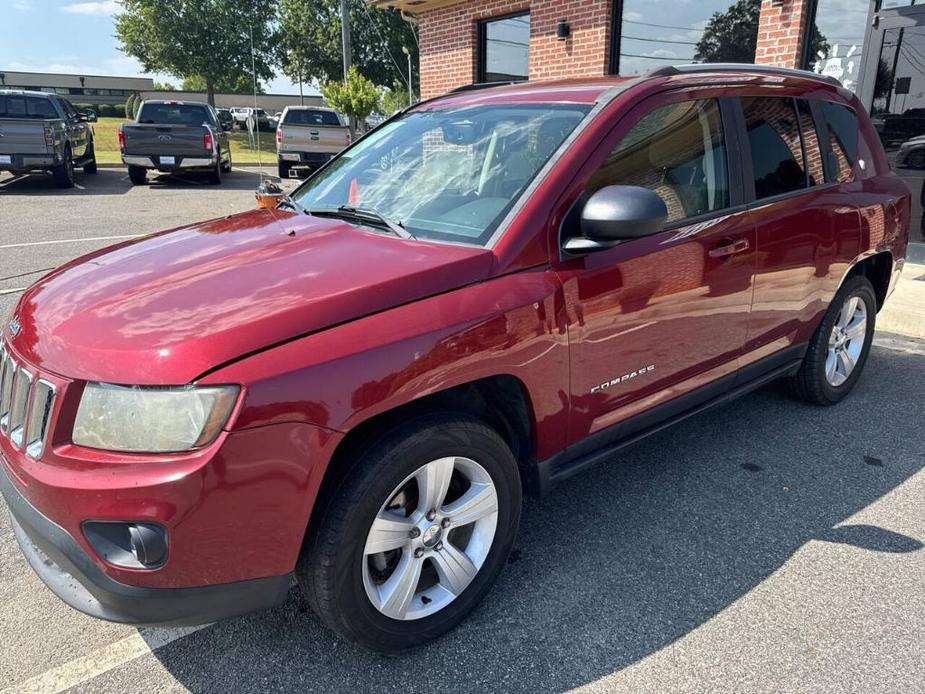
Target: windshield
{"x": 445, "y": 174}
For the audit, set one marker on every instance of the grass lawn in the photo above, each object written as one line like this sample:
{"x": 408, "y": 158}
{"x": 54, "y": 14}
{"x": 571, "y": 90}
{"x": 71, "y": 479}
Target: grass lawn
{"x": 107, "y": 144}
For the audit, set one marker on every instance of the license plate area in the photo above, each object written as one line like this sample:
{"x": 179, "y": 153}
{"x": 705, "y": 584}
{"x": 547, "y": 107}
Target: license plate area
{"x": 168, "y": 161}
{"x": 6, "y": 158}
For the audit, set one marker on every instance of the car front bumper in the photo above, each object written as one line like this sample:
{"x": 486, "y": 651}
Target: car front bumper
{"x": 76, "y": 579}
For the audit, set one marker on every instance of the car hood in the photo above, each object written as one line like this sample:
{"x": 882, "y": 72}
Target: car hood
{"x": 167, "y": 308}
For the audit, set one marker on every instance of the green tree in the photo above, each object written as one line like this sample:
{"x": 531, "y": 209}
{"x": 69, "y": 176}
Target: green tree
{"x": 164, "y": 87}
{"x": 310, "y": 42}
{"x": 394, "y": 100}
{"x": 132, "y": 103}
{"x": 356, "y": 96}
{"x": 242, "y": 84}
{"x": 210, "y": 39}
{"x": 732, "y": 36}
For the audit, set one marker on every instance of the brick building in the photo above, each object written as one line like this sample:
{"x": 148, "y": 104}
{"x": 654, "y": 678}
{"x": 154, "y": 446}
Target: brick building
{"x": 466, "y": 41}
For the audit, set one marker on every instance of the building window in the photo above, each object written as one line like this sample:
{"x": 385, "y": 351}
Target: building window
{"x": 504, "y": 49}
{"x": 836, "y": 42}
{"x": 706, "y": 31}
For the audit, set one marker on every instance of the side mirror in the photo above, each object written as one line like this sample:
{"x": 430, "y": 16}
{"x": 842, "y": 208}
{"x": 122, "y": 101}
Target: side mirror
{"x": 618, "y": 213}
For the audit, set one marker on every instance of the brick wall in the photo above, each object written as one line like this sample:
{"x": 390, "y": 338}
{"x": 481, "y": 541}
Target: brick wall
{"x": 780, "y": 32}
{"x": 449, "y": 40}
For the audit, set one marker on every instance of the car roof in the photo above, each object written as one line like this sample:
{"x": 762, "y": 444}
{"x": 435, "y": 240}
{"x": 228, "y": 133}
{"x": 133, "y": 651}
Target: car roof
{"x": 26, "y": 92}
{"x": 175, "y": 102}
{"x": 300, "y": 107}
{"x": 589, "y": 90}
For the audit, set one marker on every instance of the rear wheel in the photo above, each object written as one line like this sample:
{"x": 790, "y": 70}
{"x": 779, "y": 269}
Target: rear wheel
{"x": 228, "y": 164}
{"x": 215, "y": 175}
{"x": 137, "y": 175}
{"x": 839, "y": 348}
{"x": 63, "y": 174}
{"x": 415, "y": 536}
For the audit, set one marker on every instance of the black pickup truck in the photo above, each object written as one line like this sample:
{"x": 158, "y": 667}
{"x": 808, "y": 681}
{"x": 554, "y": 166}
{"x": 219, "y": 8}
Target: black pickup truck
{"x": 175, "y": 137}
{"x": 42, "y": 132}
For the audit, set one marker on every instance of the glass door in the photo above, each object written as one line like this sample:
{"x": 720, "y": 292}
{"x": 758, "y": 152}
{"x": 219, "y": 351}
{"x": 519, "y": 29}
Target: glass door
{"x": 893, "y": 89}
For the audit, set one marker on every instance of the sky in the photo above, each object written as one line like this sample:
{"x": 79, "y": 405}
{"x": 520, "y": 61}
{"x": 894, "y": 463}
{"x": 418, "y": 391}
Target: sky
{"x": 77, "y": 38}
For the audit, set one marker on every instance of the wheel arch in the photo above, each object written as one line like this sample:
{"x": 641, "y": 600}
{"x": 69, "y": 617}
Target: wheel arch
{"x": 501, "y": 402}
{"x": 878, "y": 269}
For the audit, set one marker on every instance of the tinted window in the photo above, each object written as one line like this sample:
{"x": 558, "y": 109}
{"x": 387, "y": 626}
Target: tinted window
{"x": 173, "y": 114}
{"x": 776, "y": 147}
{"x": 17, "y": 106}
{"x": 842, "y": 125}
{"x": 312, "y": 118}
{"x": 678, "y": 151}
{"x": 811, "y": 145}
{"x": 505, "y": 49}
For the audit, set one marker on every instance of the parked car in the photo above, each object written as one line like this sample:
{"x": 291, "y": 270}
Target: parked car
{"x": 42, "y": 132}
{"x": 243, "y": 113}
{"x": 491, "y": 293}
{"x": 225, "y": 119}
{"x": 174, "y": 137}
{"x": 240, "y": 115}
{"x": 307, "y": 137}
{"x": 90, "y": 115}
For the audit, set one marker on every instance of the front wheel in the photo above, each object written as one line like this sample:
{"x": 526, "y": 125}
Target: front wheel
{"x": 838, "y": 350}
{"x": 415, "y": 536}
{"x": 90, "y": 166}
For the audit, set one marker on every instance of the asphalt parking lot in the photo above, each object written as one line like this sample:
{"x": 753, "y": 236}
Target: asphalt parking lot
{"x": 766, "y": 546}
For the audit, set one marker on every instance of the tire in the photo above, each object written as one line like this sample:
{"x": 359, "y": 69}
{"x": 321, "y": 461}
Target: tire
{"x": 215, "y": 175}
{"x": 283, "y": 170}
{"x": 137, "y": 175}
{"x": 90, "y": 166}
{"x": 816, "y": 382}
{"x": 63, "y": 174}
{"x": 335, "y": 573}
{"x": 227, "y": 168}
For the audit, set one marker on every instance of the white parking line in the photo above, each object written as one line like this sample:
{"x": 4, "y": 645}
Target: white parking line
{"x": 4, "y": 292}
{"x": 85, "y": 668}
{"x": 87, "y": 238}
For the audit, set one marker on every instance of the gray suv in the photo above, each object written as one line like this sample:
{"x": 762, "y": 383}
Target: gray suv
{"x": 42, "y": 132}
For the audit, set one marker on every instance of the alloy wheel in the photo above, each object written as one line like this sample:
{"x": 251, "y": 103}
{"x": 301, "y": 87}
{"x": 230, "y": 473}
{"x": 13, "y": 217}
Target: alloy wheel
{"x": 430, "y": 538}
{"x": 846, "y": 341}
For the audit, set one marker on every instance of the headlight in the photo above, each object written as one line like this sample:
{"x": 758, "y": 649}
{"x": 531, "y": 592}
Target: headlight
{"x": 142, "y": 419}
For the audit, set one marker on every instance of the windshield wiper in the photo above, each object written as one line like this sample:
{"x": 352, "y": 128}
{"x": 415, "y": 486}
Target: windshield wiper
{"x": 291, "y": 204}
{"x": 362, "y": 214}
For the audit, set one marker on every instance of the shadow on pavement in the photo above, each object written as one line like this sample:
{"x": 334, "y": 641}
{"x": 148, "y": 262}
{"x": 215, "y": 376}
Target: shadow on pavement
{"x": 625, "y": 559}
{"x": 114, "y": 181}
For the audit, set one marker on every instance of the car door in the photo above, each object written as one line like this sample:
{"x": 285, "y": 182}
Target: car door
{"x": 76, "y": 129}
{"x": 664, "y": 316}
{"x": 807, "y": 223}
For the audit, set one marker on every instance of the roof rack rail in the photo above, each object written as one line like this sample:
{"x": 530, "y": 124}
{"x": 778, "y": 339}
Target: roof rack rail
{"x": 690, "y": 68}
{"x": 483, "y": 85}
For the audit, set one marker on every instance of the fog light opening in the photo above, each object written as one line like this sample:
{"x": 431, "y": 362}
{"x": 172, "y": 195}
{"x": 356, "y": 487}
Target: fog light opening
{"x": 128, "y": 545}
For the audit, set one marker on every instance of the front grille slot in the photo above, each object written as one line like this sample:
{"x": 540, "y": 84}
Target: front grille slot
{"x": 7, "y": 369}
{"x": 26, "y": 406}
{"x": 22, "y": 384}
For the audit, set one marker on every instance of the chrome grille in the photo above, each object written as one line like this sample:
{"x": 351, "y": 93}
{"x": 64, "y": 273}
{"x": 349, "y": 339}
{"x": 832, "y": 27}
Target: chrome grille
{"x": 26, "y": 404}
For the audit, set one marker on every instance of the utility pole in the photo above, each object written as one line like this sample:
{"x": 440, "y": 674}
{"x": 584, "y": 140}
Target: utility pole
{"x": 345, "y": 35}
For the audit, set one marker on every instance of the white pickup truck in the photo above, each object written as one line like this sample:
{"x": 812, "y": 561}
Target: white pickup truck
{"x": 307, "y": 137}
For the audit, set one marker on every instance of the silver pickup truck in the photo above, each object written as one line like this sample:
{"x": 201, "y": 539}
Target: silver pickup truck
{"x": 42, "y": 132}
{"x": 175, "y": 137}
{"x": 307, "y": 137}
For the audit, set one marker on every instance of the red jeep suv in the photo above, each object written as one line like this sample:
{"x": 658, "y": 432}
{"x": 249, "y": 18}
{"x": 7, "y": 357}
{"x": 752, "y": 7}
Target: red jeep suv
{"x": 489, "y": 293}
